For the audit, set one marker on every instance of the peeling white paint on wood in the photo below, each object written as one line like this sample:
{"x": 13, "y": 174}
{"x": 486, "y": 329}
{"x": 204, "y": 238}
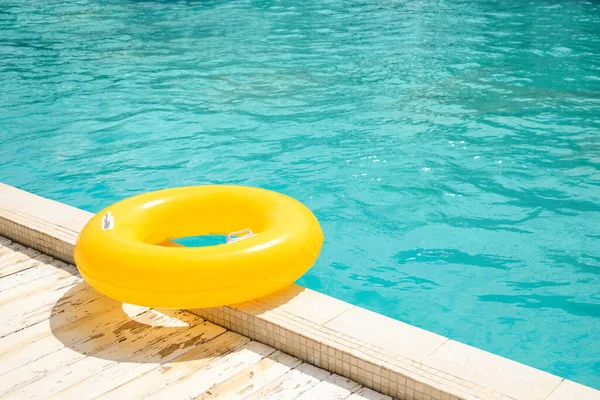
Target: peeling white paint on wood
{"x": 334, "y": 387}
{"x": 292, "y": 384}
{"x": 96, "y": 376}
{"x": 81, "y": 337}
{"x": 32, "y": 362}
{"x": 152, "y": 381}
{"x": 24, "y": 273}
{"x": 12, "y": 258}
{"x": 14, "y": 319}
{"x": 43, "y": 305}
{"x": 61, "y": 339}
{"x": 118, "y": 341}
{"x": 252, "y": 379}
{"x": 39, "y": 261}
{"x": 11, "y": 248}
{"x": 196, "y": 378}
{"x": 368, "y": 394}
{"x": 59, "y": 279}
{"x": 67, "y": 319}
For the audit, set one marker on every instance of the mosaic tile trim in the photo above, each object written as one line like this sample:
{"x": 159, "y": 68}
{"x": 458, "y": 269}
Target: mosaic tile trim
{"x": 362, "y": 362}
{"x": 40, "y": 235}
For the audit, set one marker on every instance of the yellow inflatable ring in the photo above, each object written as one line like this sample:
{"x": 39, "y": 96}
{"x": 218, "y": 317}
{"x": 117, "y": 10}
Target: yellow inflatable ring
{"x": 124, "y": 251}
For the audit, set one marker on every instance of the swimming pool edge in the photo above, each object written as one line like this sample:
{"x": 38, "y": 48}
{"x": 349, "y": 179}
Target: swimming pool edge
{"x": 386, "y": 355}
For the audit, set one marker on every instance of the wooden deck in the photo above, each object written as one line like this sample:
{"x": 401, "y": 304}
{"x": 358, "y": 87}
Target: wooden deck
{"x": 61, "y": 339}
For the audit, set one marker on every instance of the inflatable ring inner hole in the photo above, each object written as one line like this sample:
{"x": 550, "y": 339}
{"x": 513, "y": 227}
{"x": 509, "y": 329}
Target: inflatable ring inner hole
{"x": 196, "y": 241}
{"x": 195, "y": 222}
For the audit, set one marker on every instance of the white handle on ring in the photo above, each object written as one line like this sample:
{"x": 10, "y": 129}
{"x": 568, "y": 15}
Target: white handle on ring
{"x": 108, "y": 222}
{"x": 239, "y": 235}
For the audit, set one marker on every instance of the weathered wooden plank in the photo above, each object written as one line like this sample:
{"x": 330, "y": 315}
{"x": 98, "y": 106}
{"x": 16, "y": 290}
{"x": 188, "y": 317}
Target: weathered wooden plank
{"x": 49, "y": 354}
{"x": 24, "y": 336}
{"x": 12, "y": 258}
{"x": 17, "y": 250}
{"x": 64, "y": 276}
{"x": 13, "y": 319}
{"x": 21, "y": 277}
{"x": 10, "y": 249}
{"x": 4, "y": 251}
{"x": 55, "y": 305}
{"x": 152, "y": 381}
{"x": 18, "y": 257}
{"x": 39, "y": 262}
{"x": 80, "y": 312}
{"x": 4, "y": 242}
{"x": 334, "y": 387}
{"x": 197, "y": 377}
{"x": 368, "y": 394}
{"x": 97, "y": 375}
{"x": 80, "y": 333}
{"x": 42, "y": 285}
{"x": 61, "y": 339}
{"x": 292, "y": 384}
{"x": 20, "y": 315}
{"x": 24, "y": 272}
{"x": 121, "y": 340}
{"x": 252, "y": 379}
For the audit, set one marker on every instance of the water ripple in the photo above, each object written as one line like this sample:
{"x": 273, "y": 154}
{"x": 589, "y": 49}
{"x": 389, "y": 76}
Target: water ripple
{"x": 451, "y": 149}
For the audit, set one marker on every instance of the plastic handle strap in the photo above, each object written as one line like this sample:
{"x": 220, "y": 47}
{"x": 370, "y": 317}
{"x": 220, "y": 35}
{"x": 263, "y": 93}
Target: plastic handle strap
{"x": 108, "y": 222}
{"x": 239, "y": 235}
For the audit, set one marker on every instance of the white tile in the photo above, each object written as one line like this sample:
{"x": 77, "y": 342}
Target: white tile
{"x": 49, "y": 211}
{"x": 46, "y": 210}
{"x": 12, "y": 198}
{"x": 569, "y": 390}
{"x": 79, "y": 222}
{"x": 491, "y": 371}
{"x": 301, "y": 302}
{"x": 394, "y": 336}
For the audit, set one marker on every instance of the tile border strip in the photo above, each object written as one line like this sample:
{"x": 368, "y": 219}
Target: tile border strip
{"x": 406, "y": 363}
{"x": 38, "y": 234}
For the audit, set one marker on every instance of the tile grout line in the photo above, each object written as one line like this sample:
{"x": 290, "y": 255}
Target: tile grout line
{"x": 554, "y": 389}
{"x": 436, "y": 349}
{"x": 332, "y": 318}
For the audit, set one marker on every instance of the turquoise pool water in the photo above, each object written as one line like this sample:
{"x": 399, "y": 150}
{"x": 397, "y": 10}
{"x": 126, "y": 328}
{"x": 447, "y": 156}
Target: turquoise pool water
{"x": 450, "y": 149}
